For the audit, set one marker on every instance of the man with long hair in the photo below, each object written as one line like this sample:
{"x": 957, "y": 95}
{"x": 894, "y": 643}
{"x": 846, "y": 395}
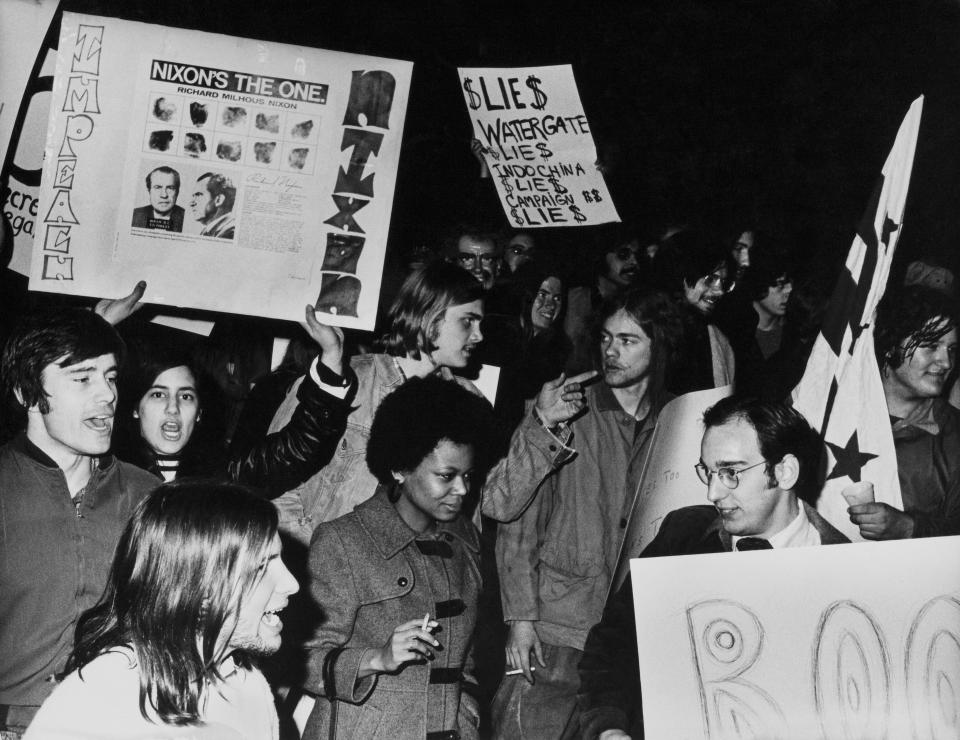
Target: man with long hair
{"x": 63, "y": 498}
{"x": 916, "y": 345}
{"x": 192, "y": 598}
{"x": 556, "y": 562}
{"x": 434, "y": 329}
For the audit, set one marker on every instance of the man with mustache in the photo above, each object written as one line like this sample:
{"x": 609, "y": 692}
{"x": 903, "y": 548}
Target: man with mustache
{"x": 556, "y": 562}
{"x": 63, "y": 499}
{"x": 616, "y": 268}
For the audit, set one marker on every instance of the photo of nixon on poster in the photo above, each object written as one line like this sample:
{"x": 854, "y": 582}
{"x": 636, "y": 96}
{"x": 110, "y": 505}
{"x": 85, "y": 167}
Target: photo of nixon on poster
{"x": 211, "y": 205}
{"x": 162, "y": 211}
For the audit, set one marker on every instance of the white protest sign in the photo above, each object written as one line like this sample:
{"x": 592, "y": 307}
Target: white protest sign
{"x": 839, "y": 641}
{"x": 668, "y": 480}
{"x": 537, "y": 144}
{"x": 24, "y": 106}
{"x": 230, "y": 174}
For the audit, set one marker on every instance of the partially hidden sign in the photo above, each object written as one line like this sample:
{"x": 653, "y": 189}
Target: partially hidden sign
{"x": 841, "y": 642}
{"x": 536, "y": 141}
{"x": 230, "y": 174}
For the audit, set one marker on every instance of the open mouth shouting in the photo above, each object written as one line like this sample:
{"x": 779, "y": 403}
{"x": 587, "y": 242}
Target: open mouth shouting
{"x": 271, "y": 617}
{"x": 171, "y": 431}
{"x": 100, "y": 423}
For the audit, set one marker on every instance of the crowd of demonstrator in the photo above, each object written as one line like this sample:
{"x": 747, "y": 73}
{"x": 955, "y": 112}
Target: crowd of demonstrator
{"x": 358, "y": 544}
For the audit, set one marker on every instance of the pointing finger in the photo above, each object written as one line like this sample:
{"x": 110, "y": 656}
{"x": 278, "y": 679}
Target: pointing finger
{"x": 583, "y": 377}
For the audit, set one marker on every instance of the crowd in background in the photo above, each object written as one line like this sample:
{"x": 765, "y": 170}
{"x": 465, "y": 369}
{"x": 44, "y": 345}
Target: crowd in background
{"x": 431, "y": 539}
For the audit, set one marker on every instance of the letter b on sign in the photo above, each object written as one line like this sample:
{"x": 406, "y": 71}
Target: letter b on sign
{"x": 727, "y": 639}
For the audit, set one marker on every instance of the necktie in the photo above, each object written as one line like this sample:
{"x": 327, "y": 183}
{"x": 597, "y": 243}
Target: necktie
{"x": 753, "y": 543}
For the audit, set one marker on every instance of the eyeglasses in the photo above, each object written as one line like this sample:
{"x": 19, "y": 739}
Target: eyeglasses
{"x": 544, "y": 297}
{"x": 468, "y": 260}
{"x": 730, "y": 477}
{"x": 716, "y": 280}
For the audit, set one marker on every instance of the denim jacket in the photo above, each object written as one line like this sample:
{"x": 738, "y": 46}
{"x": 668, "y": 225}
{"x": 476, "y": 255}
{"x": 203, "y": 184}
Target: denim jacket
{"x": 346, "y": 481}
{"x": 556, "y": 562}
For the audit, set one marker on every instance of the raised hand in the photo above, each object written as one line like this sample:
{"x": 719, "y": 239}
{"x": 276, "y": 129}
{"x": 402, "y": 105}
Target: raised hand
{"x": 328, "y": 338}
{"x": 562, "y": 398}
{"x": 115, "y": 310}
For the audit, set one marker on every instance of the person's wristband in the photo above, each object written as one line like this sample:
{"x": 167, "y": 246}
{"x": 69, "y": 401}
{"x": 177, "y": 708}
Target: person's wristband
{"x": 328, "y": 377}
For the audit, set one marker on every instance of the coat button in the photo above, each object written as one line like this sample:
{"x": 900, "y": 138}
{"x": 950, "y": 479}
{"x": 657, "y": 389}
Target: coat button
{"x": 553, "y": 448}
{"x": 401, "y": 581}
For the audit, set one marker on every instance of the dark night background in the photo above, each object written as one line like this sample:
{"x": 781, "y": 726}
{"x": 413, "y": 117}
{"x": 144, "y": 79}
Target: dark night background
{"x": 729, "y": 111}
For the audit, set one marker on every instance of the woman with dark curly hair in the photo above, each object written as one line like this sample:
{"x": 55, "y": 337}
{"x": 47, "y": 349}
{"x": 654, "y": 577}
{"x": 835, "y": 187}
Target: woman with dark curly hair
{"x": 398, "y": 578}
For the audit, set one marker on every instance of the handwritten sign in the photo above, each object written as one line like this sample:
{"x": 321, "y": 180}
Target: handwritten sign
{"x": 537, "y": 144}
{"x": 841, "y": 642}
{"x": 230, "y": 174}
{"x": 668, "y": 480}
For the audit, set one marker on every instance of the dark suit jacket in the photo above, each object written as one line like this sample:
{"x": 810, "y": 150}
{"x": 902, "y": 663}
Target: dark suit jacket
{"x": 609, "y": 673}
{"x": 143, "y": 219}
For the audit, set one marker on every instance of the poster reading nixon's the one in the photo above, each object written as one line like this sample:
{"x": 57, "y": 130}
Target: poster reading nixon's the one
{"x": 536, "y": 141}
{"x": 231, "y": 175}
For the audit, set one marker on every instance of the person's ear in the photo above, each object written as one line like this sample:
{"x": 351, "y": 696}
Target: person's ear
{"x": 219, "y": 200}
{"x": 136, "y": 414}
{"x": 18, "y": 394}
{"x": 398, "y": 477}
{"x": 787, "y": 472}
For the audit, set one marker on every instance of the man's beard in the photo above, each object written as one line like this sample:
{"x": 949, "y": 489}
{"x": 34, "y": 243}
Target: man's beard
{"x": 255, "y": 648}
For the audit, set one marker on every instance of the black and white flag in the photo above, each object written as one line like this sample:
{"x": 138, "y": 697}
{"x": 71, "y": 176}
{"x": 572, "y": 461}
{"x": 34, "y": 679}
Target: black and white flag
{"x": 841, "y": 393}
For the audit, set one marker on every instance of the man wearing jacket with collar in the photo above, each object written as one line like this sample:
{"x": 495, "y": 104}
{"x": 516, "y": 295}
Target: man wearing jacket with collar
{"x": 557, "y": 561}
{"x": 916, "y": 345}
{"x": 63, "y": 499}
{"x": 757, "y": 459}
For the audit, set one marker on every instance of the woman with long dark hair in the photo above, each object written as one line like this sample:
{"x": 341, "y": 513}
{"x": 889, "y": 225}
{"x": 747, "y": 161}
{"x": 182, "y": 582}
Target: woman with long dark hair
{"x": 161, "y": 423}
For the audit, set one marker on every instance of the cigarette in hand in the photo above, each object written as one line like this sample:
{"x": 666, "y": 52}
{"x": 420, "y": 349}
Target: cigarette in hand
{"x": 518, "y": 671}
{"x": 426, "y": 622}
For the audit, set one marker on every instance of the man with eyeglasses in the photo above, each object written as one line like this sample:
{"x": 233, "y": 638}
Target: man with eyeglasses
{"x": 616, "y": 248}
{"x": 753, "y": 318}
{"x": 476, "y": 251}
{"x": 758, "y": 460}
{"x": 701, "y": 279}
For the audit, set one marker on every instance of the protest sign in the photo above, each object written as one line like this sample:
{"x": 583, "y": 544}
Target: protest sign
{"x": 840, "y": 641}
{"x": 230, "y": 174}
{"x": 668, "y": 480}
{"x": 537, "y": 144}
{"x": 26, "y": 76}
